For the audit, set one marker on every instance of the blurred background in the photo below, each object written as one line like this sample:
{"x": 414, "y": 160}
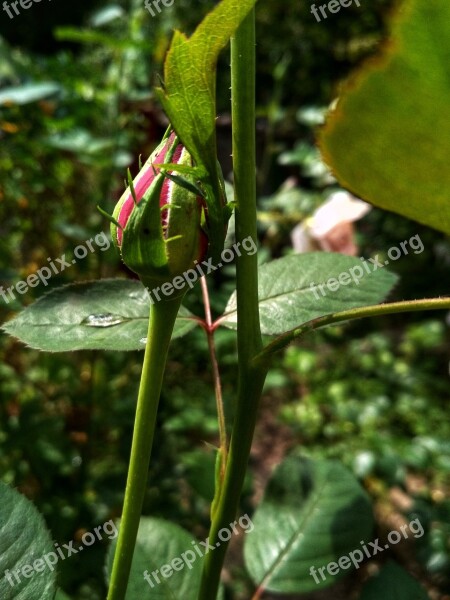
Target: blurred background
{"x": 76, "y": 109}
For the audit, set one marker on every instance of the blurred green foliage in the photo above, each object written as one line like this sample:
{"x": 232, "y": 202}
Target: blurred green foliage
{"x": 378, "y": 401}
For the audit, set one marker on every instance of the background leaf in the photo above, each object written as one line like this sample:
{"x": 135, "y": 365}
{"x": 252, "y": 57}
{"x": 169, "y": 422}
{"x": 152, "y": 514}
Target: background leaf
{"x": 158, "y": 543}
{"x": 24, "y": 539}
{"x": 60, "y": 595}
{"x": 393, "y": 583}
{"x": 110, "y": 314}
{"x": 312, "y": 514}
{"x": 286, "y": 298}
{"x": 29, "y": 92}
{"x": 388, "y": 140}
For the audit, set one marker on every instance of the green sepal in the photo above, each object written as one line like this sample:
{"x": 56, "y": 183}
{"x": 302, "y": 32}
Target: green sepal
{"x": 143, "y": 248}
{"x": 216, "y": 223}
{"x": 228, "y": 210}
{"x": 197, "y": 172}
{"x": 131, "y": 186}
{"x": 110, "y": 218}
{"x": 184, "y": 183}
{"x": 184, "y": 198}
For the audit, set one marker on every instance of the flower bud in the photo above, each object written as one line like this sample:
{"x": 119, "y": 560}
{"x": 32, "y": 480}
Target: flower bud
{"x": 158, "y": 219}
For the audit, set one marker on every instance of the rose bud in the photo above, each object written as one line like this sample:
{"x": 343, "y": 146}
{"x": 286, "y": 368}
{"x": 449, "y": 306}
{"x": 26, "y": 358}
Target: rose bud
{"x": 157, "y": 221}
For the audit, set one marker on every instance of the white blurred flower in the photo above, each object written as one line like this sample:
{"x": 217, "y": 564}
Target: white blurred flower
{"x": 330, "y": 228}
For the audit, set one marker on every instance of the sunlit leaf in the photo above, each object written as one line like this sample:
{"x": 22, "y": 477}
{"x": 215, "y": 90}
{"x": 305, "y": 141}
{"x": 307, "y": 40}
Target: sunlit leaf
{"x": 189, "y": 99}
{"x": 388, "y": 139}
{"x": 189, "y": 78}
{"x": 290, "y": 292}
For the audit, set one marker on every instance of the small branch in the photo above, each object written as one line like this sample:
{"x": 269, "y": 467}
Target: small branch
{"x": 347, "y": 315}
{"x": 258, "y": 593}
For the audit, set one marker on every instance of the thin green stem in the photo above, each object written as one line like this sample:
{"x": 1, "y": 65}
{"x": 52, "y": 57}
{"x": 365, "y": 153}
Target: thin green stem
{"x": 161, "y": 323}
{"x": 250, "y": 379}
{"x": 216, "y": 376}
{"x": 375, "y": 310}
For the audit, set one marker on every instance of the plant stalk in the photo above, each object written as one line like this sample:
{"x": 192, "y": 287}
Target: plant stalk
{"x": 161, "y": 323}
{"x": 250, "y": 379}
{"x": 376, "y": 310}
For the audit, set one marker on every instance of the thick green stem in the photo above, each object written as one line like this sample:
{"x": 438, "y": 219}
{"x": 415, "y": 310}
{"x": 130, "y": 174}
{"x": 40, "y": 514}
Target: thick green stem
{"x": 162, "y": 320}
{"x": 251, "y": 379}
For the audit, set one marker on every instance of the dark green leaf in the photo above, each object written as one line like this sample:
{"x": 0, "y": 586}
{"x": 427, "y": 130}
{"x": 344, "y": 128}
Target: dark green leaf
{"x": 60, "y": 595}
{"x": 289, "y": 296}
{"x": 159, "y": 543}
{"x": 24, "y": 541}
{"x": 393, "y": 583}
{"x": 312, "y": 514}
{"x": 110, "y": 314}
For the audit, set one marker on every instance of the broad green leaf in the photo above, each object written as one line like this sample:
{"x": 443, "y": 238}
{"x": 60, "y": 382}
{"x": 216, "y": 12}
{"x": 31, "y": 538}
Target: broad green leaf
{"x": 110, "y": 314}
{"x": 27, "y": 557}
{"x": 312, "y": 514}
{"x": 393, "y": 583}
{"x": 161, "y": 544}
{"x": 290, "y": 293}
{"x": 388, "y": 139}
{"x": 189, "y": 90}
